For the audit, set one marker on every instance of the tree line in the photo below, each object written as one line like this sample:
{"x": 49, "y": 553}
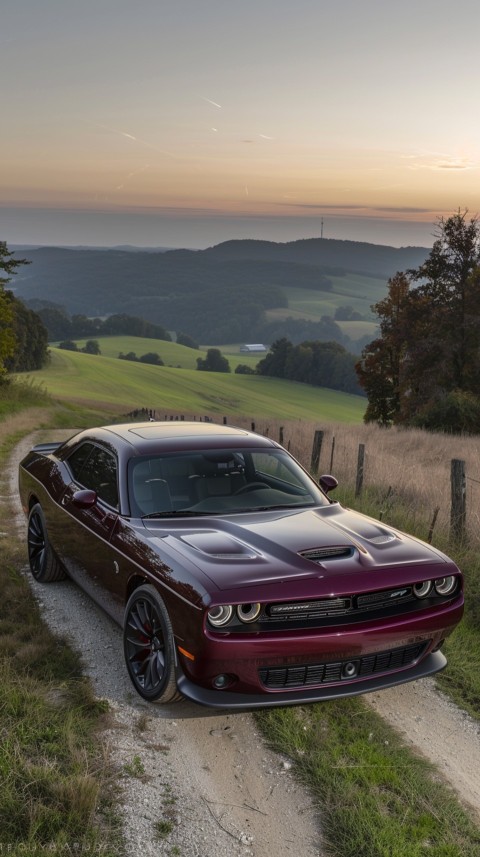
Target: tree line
{"x": 23, "y": 339}
{"x": 424, "y": 368}
{"x": 62, "y": 326}
{"x": 322, "y": 364}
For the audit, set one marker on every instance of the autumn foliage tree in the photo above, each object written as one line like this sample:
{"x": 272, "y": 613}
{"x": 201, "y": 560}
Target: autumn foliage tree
{"x": 426, "y": 363}
{"x": 380, "y": 368}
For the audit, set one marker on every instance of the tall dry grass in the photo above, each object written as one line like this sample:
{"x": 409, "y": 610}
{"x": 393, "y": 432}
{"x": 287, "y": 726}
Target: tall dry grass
{"x": 407, "y": 467}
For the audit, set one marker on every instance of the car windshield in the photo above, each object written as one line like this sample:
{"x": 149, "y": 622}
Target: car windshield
{"x": 219, "y": 482}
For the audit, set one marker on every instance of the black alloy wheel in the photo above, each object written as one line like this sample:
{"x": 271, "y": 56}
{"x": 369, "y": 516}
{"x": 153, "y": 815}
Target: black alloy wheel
{"x": 43, "y": 562}
{"x": 149, "y": 647}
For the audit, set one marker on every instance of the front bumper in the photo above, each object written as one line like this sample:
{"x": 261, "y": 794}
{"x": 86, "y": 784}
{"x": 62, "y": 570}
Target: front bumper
{"x": 293, "y": 668}
{"x": 224, "y": 699}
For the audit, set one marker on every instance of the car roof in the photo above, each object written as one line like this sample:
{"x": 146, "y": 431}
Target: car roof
{"x": 176, "y": 435}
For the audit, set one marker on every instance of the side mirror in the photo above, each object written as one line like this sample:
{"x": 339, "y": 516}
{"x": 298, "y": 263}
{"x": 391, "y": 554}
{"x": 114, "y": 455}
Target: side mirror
{"x": 85, "y": 498}
{"x": 328, "y": 483}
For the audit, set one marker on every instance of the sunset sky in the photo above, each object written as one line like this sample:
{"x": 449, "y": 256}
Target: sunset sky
{"x": 188, "y": 122}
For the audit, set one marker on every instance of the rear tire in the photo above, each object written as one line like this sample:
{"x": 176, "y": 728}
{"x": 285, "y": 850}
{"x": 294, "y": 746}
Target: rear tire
{"x": 44, "y": 565}
{"x": 149, "y": 647}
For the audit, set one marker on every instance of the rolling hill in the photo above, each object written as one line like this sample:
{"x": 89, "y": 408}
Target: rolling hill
{"x": 118, "y": 386}
{"x": 226, "y": 293}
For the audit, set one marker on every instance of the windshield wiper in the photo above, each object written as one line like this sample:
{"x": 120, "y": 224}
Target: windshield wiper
{"x": 281, "y": 506}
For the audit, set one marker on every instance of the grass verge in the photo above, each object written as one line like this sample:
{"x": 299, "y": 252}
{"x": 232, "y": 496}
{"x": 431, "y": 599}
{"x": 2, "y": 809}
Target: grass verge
{"x": 21, "y": 394}
{"x": 375, "y": 797}
{"x": 461, "y": 677}
{"x": 57, "y": 790}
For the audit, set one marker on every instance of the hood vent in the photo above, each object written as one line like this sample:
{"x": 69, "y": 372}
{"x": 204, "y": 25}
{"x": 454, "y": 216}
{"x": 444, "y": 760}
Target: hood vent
{"x": 383, "y": 539}
{"x": 322, "y": 554}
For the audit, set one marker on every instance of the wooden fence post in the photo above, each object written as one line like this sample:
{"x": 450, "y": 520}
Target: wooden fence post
{"x": 360, "y": 469}
{"x": 432, "y": 525}
{"x": 316, "y": 450}
{"x": 458, "y": 511}
{"x": 332, "y": 454}
{"x": 280, "y": 435}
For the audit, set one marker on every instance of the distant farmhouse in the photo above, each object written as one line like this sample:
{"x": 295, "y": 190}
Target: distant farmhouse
{"x": 253, "y": 349}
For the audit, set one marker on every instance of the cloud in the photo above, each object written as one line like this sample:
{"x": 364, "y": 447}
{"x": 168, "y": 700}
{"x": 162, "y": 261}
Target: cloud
{"x": 439, "y": 161}
{"x": 452, "y": 165}
{"x": 209, "y": 101}
{"x": 385, "y": 209}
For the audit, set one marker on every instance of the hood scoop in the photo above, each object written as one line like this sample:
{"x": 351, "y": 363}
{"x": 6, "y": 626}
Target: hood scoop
{"x": 322, "y": 554}
{"x": 219, "y": 546}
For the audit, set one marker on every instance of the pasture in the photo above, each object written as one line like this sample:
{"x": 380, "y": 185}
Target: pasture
{"x": 120, "y": 386}
{"x": 176, "y": 356}
{"x": 355, "y": 290}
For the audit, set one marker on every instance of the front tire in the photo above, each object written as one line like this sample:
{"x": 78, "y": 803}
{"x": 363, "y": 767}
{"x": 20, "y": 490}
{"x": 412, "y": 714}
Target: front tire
{"x": 44, "y": 565}
{"x": 148, "y": 646}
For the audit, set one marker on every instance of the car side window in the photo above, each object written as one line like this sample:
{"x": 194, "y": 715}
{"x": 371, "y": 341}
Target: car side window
{"x": 78, "y": 458}
{"x": 96, "y": 468}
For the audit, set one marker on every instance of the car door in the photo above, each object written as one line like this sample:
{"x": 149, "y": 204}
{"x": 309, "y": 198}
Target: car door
{"x": 88, "y": 527}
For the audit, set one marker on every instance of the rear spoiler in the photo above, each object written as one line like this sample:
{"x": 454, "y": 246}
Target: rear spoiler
{"x": 47, "y": 448}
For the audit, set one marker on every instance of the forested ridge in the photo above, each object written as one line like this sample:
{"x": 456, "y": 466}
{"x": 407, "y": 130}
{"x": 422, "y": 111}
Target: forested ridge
{"x": 216, "y": 295}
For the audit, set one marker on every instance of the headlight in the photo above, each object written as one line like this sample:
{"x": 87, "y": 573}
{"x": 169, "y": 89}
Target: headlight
{"x": 445, "y": 585}
{"x": 421, "y": 590}
{"x": 220, "y": 615}
{"x": 248, "y": 612}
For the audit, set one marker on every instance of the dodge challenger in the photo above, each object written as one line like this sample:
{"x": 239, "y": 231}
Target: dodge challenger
{"x": 237, "y": 580}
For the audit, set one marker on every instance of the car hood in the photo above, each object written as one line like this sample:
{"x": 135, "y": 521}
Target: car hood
{"x": 271, "y": 547}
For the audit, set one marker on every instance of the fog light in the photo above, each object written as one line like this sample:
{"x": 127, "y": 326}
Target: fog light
{"x": 221, "y": 681}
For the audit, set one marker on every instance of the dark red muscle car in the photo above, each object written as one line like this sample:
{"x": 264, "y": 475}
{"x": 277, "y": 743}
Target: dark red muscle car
{"x": 237, "y": 581}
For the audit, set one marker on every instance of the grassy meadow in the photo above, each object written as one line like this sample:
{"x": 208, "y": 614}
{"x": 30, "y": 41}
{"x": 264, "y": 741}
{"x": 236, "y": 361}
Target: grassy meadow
{"x": 355, "y": 290}
{"x": 120, "y": 386}
{"x": 173, "y": 355}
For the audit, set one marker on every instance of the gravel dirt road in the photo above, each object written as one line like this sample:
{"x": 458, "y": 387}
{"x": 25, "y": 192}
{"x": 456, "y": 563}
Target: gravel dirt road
{"x": 205, "y": 774}
{"x": 209, "y": 772}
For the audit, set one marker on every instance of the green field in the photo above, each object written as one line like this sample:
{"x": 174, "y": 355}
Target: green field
{"x": 122, "y": 386}
{"x": 177, "y": 356}
{"x": 355, "y": 290}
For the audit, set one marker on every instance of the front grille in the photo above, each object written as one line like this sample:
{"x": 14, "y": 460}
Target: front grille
{"x": 310, "y": 609}
{"x": 387, "y": 601}
{"x": 331, "y": 612}
{"x": 277, "y": 678}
